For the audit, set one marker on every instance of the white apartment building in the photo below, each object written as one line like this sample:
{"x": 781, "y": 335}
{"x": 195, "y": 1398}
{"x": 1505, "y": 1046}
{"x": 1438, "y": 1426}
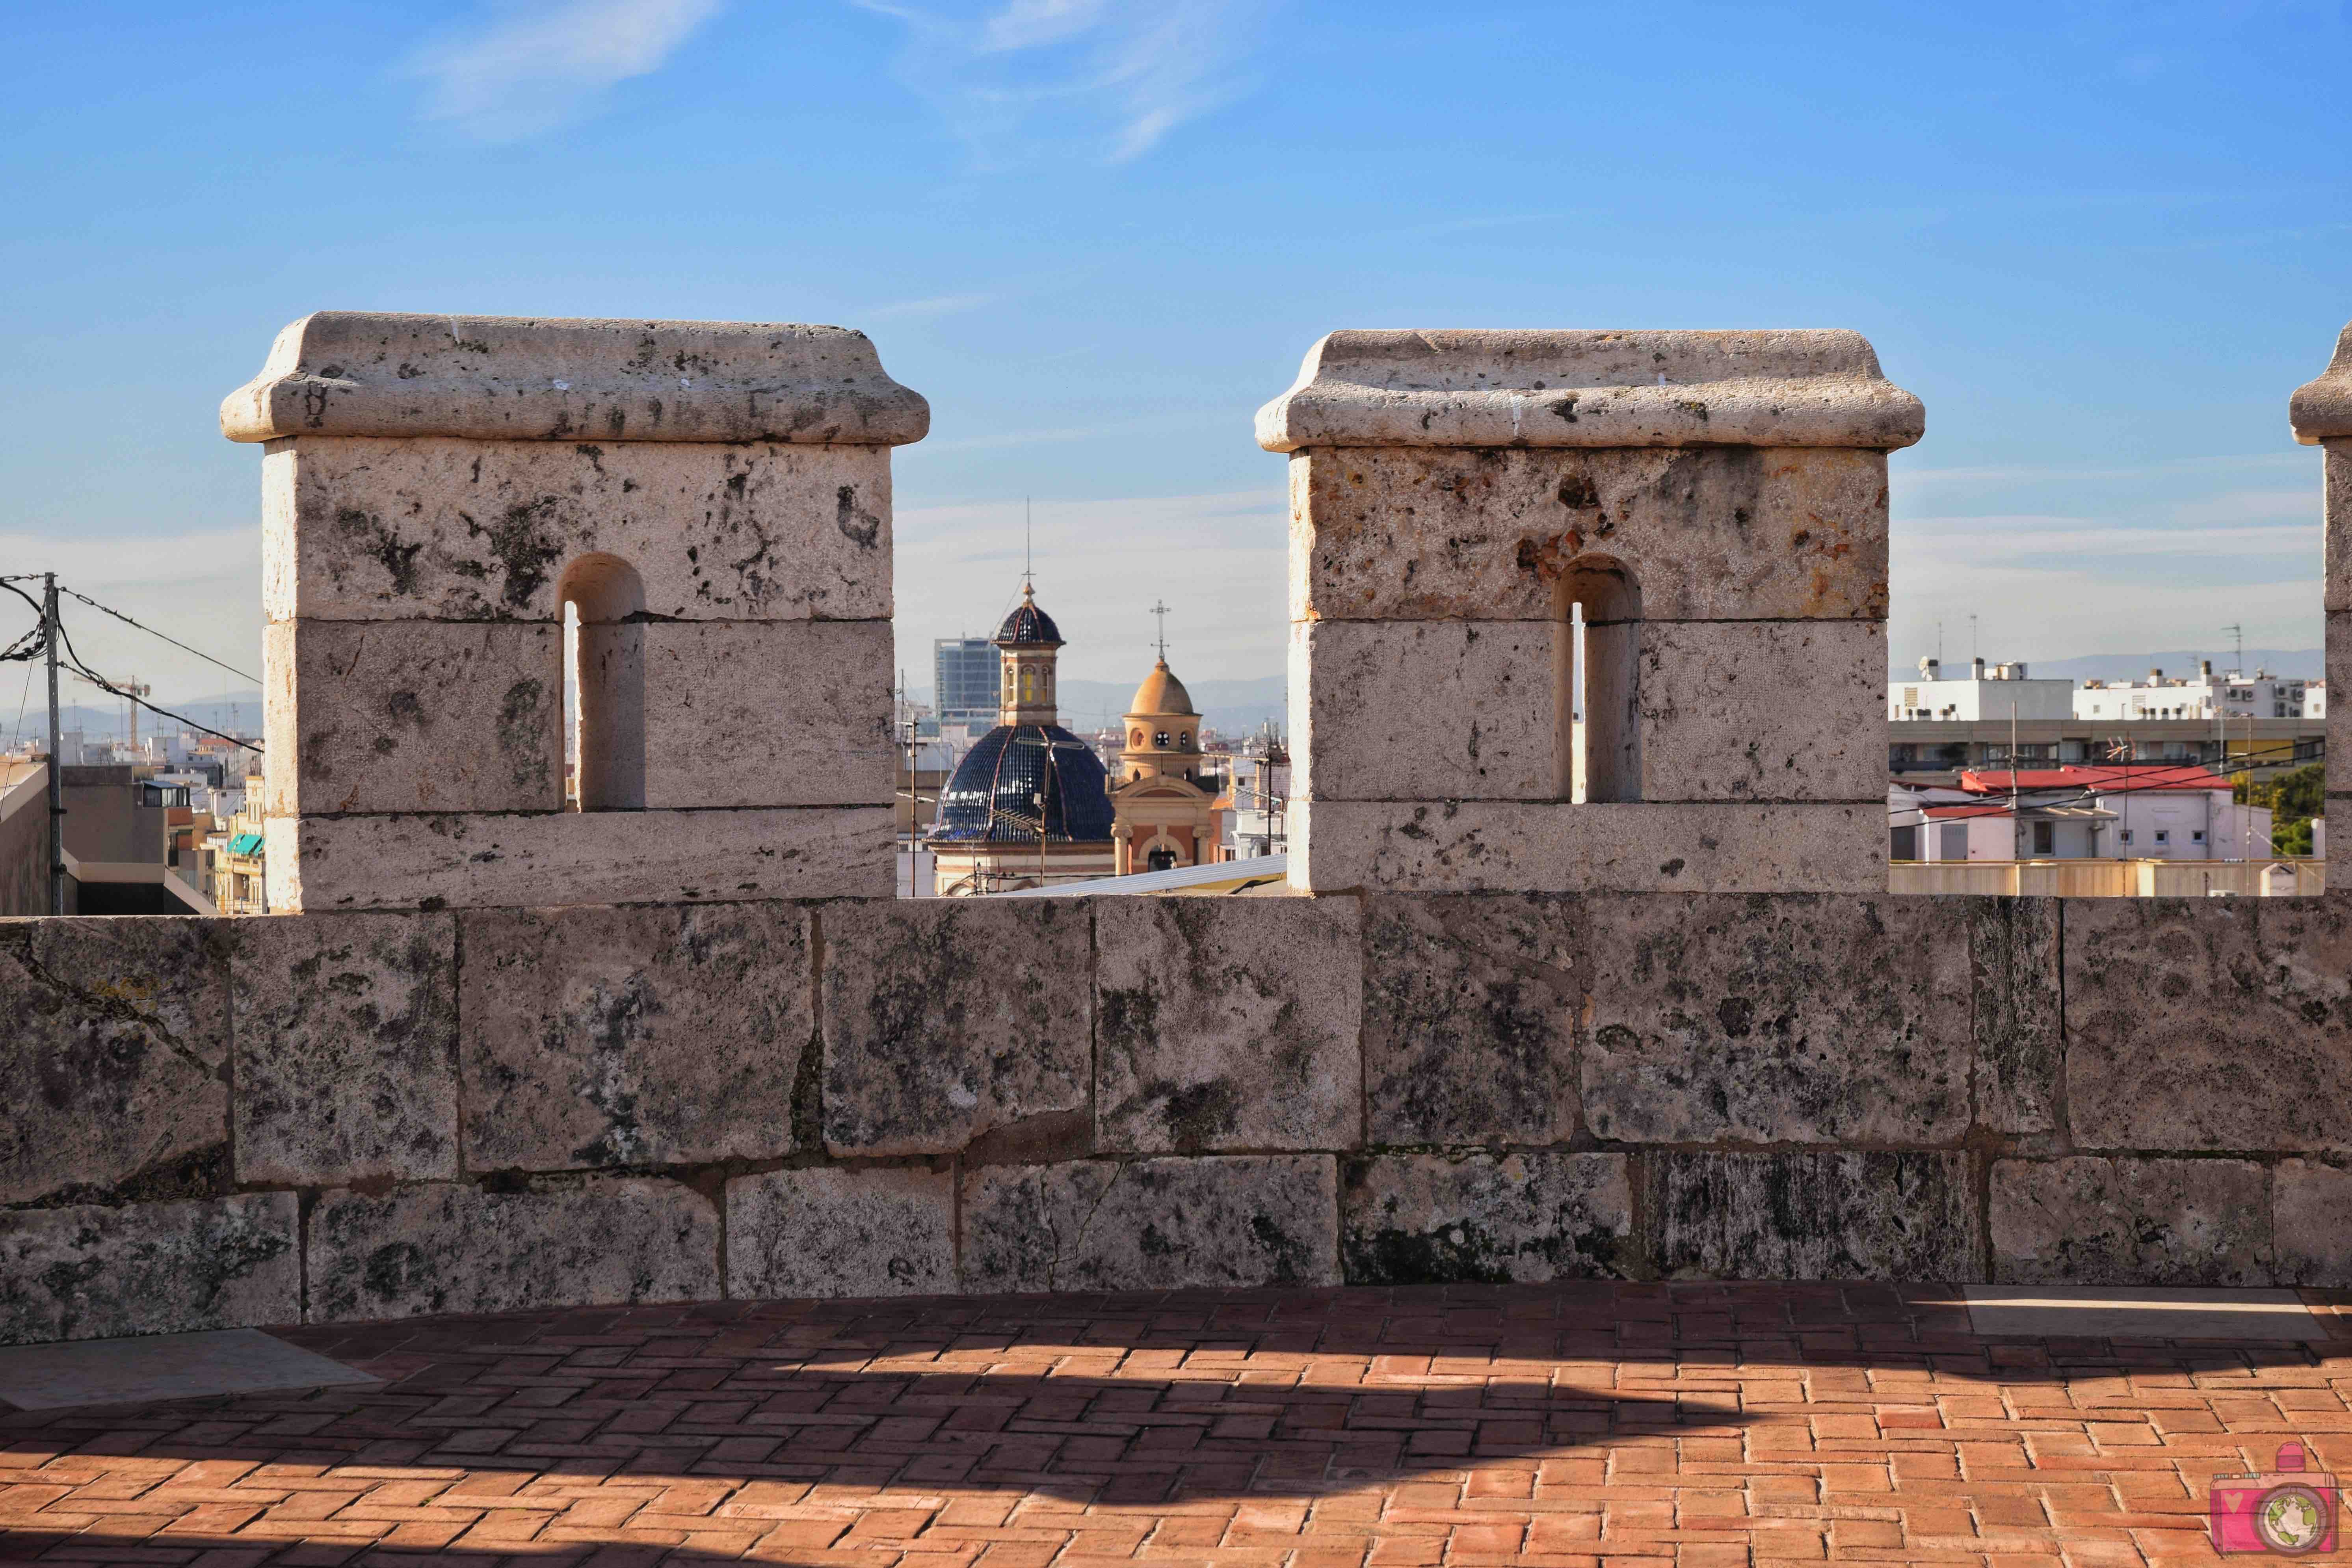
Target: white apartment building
{"x": 2003, "y": 691}
{"x": 2204, "y": 695}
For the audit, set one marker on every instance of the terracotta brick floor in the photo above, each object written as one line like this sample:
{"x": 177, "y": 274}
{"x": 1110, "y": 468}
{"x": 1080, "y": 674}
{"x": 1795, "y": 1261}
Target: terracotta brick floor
{"x": 1563, "y": 1424}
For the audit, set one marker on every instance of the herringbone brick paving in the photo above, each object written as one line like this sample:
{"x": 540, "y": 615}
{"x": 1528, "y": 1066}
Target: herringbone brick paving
{"x": 1557, "y": 1425}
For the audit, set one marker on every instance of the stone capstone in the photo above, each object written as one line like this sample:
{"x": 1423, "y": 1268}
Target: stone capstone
{"x": 1568, "y": 388}
{"x": 507, "y": 378}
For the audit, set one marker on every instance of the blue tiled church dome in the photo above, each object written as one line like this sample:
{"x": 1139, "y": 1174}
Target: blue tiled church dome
{"x": 992, "y": 799}
{"x": 1028, "y": 627}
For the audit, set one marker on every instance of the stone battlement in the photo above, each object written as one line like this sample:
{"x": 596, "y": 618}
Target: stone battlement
{"x": 1623, "y": 997}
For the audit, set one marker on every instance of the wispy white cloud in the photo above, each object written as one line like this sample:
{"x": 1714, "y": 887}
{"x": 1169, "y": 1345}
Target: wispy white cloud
{"x": 1105, "y": 78}
{"x": 938, "y": 305}
{"x": 540, "y": 63}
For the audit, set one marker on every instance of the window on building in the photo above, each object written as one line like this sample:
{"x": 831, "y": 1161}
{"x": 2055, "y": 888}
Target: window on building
{"x": 1160, "y": 738}
{"x": 2164, "y": 836}
{"x": 1162, "y": 860}
{"x": 1953, "y": 842}
{"x": 2126, "y": 836}
{"x": 2196, "y": 835}
{"x": 2045, "y": 838}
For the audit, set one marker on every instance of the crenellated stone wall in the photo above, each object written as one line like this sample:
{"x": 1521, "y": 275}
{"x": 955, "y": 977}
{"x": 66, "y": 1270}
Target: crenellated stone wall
{"x": 688, "y": 1050}
{"x": 339, "y": 1116}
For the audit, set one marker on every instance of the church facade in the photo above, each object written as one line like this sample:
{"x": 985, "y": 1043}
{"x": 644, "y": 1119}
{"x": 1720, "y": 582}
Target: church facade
{"x": 1164, "y": 804}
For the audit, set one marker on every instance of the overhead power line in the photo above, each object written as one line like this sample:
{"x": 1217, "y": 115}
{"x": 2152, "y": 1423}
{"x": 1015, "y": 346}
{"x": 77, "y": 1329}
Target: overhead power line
{"x": 151, "y": 632}
{"x": 73, "y": 661}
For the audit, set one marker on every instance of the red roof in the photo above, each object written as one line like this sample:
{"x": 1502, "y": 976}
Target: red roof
{"x": 1947, "y": 813}
{"x": 2147, "y": 775}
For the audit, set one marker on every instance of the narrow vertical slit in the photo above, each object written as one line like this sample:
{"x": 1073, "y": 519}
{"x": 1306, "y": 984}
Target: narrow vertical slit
{"x": 572, "y": 713}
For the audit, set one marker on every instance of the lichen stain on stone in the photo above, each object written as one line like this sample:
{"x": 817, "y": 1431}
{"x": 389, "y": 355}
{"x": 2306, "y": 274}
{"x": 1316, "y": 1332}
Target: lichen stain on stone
{"x": 857, "y": 525}
{"x": 528, "y": 539}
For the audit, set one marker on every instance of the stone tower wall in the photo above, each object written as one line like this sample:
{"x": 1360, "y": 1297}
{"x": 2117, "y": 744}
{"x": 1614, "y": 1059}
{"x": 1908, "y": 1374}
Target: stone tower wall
{"x": 651, "y": 1094}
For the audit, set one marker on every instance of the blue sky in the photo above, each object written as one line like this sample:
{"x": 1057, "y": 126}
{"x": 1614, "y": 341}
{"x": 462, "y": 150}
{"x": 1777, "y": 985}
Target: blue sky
{"x": 2102, "y": 242}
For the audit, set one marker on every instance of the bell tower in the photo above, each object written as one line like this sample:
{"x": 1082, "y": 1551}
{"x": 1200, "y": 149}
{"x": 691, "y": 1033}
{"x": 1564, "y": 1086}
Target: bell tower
{"x": 1028, "y": 644}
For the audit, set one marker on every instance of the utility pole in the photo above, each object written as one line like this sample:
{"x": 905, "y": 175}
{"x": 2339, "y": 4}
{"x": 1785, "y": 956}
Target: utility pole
{"x": 57, "y": 790}
{"x": 2016, "y": 824}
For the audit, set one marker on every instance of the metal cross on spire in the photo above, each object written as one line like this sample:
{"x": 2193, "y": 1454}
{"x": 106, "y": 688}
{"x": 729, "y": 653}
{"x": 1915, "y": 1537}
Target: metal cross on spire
{"x": 1161, "y": 610}
{"x": 1028, "y": 576}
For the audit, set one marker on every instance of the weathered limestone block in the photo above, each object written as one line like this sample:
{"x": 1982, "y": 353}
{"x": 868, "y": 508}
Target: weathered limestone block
{"x": 2093, "y": 1221}
{"x": 1414, "y": 532}
{"x": 555, "y": 1242}
{"x": 1498, "y": 846}
{"x": 1765, "y": 710}
{"x": 2321, "y": 414}
{"x": 441, "y": 527}
{"x": 1548, "y": 387}
{"x": 650, "y": 1035}
{"x": 519, "y": 378}
{"x": 1228, "y": 1023}
{"x": 346, "y": 1029}
{"x": 835, "y": 1232}
{"x": 1470, "y": 1013}
{"x": 84, "y": 1272}
{"x": 579, "y": 857}
{"x": 947, "y": 1019}
{"x": 2311, "y": 1207}
{"x": 114, "y": 1061}
{"x": 1151, "y": 1225}
{"x": 2340, "y": 671}
{"x": 743, "y": 713}
{"x": 413, "y": 716}
{"x": 1777, "y": 1019}
{"x": 1422, "y": 710}
{"x": 2336, "y": 482}
{"x": 1847, "y": 1215}
{"x": 2209, "y": 1024}
{"x": 2014, "y": 1011}
{"x": 1538, "y": 1214}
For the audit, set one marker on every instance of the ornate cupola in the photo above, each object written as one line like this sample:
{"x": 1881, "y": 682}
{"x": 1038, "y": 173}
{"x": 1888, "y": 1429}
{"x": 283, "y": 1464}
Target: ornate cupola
{"x": 1029, "y": 643}
{"x": 1163, "y": 733}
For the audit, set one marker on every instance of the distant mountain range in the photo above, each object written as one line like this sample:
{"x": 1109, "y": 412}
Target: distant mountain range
{"x": 238, "y": 714}
{"x": 2294, "y": 664}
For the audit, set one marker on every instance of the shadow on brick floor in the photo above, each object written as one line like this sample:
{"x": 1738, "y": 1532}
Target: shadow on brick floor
{"x": 1279, "y": 1427}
